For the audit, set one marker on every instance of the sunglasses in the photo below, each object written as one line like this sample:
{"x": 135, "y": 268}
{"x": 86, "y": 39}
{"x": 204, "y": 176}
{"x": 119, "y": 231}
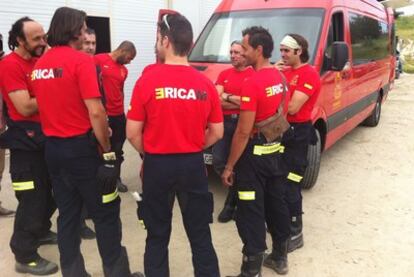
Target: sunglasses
{"x": 165, "y": 20}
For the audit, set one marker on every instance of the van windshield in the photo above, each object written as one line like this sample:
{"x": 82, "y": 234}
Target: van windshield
{"x": 214, "y": 42}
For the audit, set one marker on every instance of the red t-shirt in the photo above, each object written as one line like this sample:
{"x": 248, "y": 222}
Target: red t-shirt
{"x": 15, "y": 75}
{"x": 113, "y": 78}
{"x": 175, "y": 102}
{"x": 304, "y": 79}
{"x": 62, "y": 79}
{"x": 262, "y": 93}
{"x": 232, "y": 81}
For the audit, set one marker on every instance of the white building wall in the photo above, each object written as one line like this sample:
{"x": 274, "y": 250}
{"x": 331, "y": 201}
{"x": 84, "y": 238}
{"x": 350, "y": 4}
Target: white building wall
{"x": 133, "y": 20}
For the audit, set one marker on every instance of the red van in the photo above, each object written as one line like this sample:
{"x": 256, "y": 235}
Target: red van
{"x": 351, "y": 44}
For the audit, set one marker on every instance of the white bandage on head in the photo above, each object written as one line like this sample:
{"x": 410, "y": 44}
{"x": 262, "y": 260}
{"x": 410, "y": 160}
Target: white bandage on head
{"x": 290, "y": 42}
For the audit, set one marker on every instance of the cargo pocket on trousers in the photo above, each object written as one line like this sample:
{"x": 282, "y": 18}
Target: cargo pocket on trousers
{"x": 21, "y": 176}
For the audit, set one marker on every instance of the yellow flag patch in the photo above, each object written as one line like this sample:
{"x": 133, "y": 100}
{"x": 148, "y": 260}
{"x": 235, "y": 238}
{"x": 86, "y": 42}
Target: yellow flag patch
{"x": 245, "y": 99}
{"x": 308, "y": 86}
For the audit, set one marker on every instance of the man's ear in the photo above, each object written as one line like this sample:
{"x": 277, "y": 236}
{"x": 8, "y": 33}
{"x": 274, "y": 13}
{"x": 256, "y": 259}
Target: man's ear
{"x": 259, "y": 50}
{"x": 298, "y": 51}
{"x": 20, "y": 40}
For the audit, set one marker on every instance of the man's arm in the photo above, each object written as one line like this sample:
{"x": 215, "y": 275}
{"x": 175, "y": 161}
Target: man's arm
{"x": 134, "y": 131}
{"x": 99, "y": 122}
{"x": 214, "y": 132}
{"x": 228, "y": 105}
{"x": 23, "y": 102}
{"x": 240, "y": 139}
{"x": 296, "y": 102}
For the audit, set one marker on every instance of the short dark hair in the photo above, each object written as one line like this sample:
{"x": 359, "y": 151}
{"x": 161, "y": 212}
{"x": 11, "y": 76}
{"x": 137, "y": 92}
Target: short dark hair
{"x": 303, "y": 43}
{"x": 127, "y": 46}
{"x": 16, "y": 31}
{"x": 179, "y": 31}
{"x": 260, "y": 36}
{"x": 66, "y": 25}
{"x": 90, "y": 31}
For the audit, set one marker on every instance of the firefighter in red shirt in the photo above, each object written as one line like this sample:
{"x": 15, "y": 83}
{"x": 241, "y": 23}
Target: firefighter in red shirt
{"x": 25, "y": 140}
{"x": 228, "y": 84}
{"x": 175, "y": 113}
{"x": 78, "y": 155}
{"x": 304, "y": 83}
{"x": 114, "y": 74}
{"x": 255, "y": 164}
{"x": 3, "y": 211}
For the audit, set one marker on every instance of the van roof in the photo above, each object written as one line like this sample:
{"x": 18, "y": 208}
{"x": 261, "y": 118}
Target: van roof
{"x": 365, "y": 6}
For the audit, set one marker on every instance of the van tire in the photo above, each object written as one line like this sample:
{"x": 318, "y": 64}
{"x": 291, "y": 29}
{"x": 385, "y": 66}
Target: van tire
{"x": 314, "y": 162}
{"x": 373, "y": 119}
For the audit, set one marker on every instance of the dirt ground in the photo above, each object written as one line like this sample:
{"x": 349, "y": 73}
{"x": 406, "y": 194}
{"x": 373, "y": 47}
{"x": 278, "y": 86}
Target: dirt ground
{"x": 359, "y": 218}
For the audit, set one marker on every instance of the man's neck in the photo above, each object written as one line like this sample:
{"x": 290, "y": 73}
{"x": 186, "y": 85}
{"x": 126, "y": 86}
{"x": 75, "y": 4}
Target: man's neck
{"x": 240, "y": 68}
{"x": 298, "y": 65}
{"x": 177, "y": 60}
{"x": 262, "y": 63}
{"x": 23, "y": 53}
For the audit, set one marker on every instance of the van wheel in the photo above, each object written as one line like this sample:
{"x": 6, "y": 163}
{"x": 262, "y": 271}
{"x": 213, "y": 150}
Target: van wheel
{"x": 397, "y": 74}
{"x": 374, "y": 118}
{"x": 314, "y": 160}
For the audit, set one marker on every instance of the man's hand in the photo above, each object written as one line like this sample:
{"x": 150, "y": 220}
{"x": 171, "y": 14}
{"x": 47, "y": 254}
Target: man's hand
{"x": 227, "y": 177}
{"x": 107, "y": 173}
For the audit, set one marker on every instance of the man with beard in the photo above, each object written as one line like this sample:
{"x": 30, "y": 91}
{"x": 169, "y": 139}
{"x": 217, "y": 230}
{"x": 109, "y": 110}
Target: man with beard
{"x": 114, "y": 74}
{"x": 78, "y": 154}
{"x": 25, "y": 140}
{"x": 229, "y": 84}
{"x": 255, "y": 161}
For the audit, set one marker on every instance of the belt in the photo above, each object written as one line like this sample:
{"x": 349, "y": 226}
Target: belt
{"x": 231, "y": 116}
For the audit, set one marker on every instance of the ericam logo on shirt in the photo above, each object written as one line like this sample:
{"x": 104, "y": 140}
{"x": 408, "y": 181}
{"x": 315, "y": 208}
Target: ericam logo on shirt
{"x": 180, "y": 93}
{"x": 46, "y": 74}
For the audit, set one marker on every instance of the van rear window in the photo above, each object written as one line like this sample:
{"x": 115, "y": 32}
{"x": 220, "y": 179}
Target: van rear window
{"x": 223, "y": 28}
{"x": 369, "y": 39}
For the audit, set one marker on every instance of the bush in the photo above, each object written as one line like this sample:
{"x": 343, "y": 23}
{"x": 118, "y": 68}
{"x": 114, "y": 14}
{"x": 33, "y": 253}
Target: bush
{"x": 408, "y": 65}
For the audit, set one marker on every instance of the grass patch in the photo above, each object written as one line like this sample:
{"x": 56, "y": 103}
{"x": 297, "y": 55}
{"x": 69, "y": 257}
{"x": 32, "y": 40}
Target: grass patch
{"x": 405, "y": 30}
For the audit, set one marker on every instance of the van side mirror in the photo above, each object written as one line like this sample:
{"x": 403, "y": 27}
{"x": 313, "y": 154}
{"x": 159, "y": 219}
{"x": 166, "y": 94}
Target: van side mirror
{"x": 339, "y": 55}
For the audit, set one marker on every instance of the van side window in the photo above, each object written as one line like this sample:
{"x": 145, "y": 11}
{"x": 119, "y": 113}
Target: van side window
{"x": 335, "y": 33}
{"x": 369, "y": 38}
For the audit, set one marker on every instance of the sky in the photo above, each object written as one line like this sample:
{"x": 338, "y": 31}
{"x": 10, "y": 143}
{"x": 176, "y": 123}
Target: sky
{"x": 409, "y": 10}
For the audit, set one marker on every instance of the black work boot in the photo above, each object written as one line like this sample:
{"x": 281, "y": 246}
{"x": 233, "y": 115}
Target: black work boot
{"x": 49, "y": 238}
{"x": 76, "y": 269}
{"x": 229, "y": 208}
{"x": 296, "y": 235}
{"x": 251, "y": 266}
{"x": 121, "y": 267}
{"x": 39, "y": 266}
{"x": 121, "y": 186}
{"x": 277, "y": 260}
{"x": 226, "y": 214}
{"x": 86, "y": 232}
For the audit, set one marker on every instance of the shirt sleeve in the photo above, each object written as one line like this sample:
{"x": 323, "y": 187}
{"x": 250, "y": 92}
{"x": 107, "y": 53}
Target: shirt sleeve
{"x": 136, "y": 110}
{"x": 307, "y": 83}
{"x": 87, "y": 79}
{"x": 249, "y": 96}
{"x": 216, "y": 113}
{"x": 14, "y": 78}
{"x": 221, "y": 78}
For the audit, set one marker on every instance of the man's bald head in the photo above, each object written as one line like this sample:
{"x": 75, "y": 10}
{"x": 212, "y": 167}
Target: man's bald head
{"x": 27, "y": 35}
{"x": 125, "y": 52}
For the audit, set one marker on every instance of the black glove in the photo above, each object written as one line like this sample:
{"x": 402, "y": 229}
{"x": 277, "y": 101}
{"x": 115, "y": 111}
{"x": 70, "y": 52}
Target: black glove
{"x": 107, "y": 176}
